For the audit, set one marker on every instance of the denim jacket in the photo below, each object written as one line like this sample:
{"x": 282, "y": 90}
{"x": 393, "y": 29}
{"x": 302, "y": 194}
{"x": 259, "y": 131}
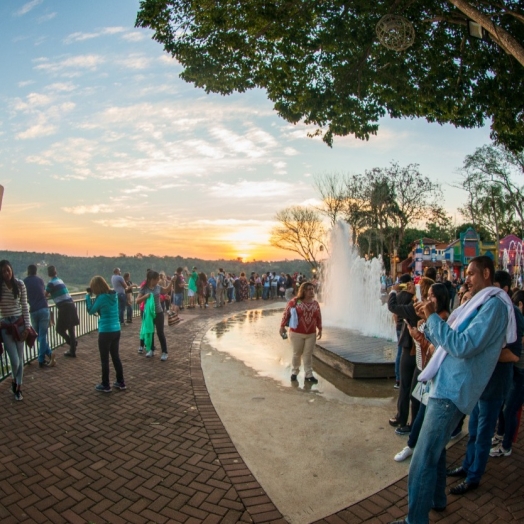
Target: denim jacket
{"x": 473, "y": 351}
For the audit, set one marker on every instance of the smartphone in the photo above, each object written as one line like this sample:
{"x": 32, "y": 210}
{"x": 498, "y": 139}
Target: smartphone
{"x": 417, "y": 293}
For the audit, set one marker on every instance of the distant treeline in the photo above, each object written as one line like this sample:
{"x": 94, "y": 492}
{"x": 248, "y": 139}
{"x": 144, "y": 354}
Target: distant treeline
{"x": 78, "y": 271}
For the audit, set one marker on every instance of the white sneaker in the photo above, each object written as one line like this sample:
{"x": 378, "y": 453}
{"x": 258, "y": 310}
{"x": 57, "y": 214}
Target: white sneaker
{"x": 141, "y": 349}
{"x": 164, "y": 356}
{"x": 149, "y": 354}
{"x": 499, "y": 452}
{"x": 404, "y": 454}
{"x": 497, "y": 439}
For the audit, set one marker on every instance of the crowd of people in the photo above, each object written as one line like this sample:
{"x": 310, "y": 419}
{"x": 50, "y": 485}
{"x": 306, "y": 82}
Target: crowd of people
{"x": 459, "y": 353}
{"x": 459, "y": 350}
{"x": 25, "y": 311}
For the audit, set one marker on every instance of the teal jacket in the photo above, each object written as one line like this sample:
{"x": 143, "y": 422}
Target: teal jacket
{"x": 106, "y": 305}
{"x": 148, "y": 322}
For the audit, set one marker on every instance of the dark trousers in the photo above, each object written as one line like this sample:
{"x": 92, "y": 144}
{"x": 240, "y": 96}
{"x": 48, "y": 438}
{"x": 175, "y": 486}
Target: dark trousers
{"x": 159, "y": 327}
{"x": 68, "y": 334}
{"x": 129, "y": 312}
{"x": 407, "y": 369}
{"x": 121, "y": 306}
{"x": 108, "y": 345}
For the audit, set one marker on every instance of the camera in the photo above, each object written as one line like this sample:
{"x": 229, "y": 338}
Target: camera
{"x": 283, "y": 335}
{"x": 89, "y": 290}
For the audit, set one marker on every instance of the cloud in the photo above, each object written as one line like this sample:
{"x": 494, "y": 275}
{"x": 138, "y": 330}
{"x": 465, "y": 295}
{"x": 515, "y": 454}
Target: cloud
{"x": 253, "y": 189}
{"x": 36, "y": 131}
{"x": 164, "y": 142}
{"x": 133, "y": 36}
{"x": 94, "y": 209}
{"x": 81, "y": 37}
{"x": 136, "y": 61}
{"x": 32, "y": 101}
{"x": 74, "y": 152}
{"x": 46, "y": 18}
{"x": 60, "y": 87}
{"x": 25, "y": 83}
{"x": 29, "y": 6}
{"x": 88, "y": 62}
{"x": 138, "y": 189}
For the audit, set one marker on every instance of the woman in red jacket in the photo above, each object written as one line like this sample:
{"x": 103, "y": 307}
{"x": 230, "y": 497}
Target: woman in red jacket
{"x": 303, "y": 331}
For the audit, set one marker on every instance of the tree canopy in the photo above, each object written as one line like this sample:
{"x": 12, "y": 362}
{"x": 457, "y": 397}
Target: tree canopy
{"x": 495, "y": 197}
{"x": 381, "y": 204}
{"x": 320, "y": 61}
{"x": 299, "y": 229}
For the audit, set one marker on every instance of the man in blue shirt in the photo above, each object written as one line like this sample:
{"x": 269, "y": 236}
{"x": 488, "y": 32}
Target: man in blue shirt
{"x": 472, "y": 351}
{"x": 484, "y": 416}
{"x": 39, "y": 310}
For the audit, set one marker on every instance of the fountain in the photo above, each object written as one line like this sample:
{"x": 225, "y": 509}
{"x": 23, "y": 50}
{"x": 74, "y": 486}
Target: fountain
{"x": 359, "y": 329}
{"x": 351, "y": 289}
{"x": 513, "y": 261}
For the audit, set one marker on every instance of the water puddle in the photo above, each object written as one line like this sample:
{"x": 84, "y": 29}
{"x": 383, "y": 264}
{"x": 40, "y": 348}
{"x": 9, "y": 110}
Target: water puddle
{"x": 252, "y": 338}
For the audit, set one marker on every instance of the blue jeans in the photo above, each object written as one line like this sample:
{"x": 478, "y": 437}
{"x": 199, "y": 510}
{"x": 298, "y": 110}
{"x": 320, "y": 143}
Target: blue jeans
{"x": 481, "y": 429}
{"x": 121, "y": 306}
{"x": 251, "y": 292}
{"x": 397, "y": 360}
{"x": 15, "y": 351}
{"x": 427, "y": 472}
{"x": 265, "y": 292}
{"x": 508, "y": 421}
{"x": 40, "y": 323}
{"x": 416, "y": 426}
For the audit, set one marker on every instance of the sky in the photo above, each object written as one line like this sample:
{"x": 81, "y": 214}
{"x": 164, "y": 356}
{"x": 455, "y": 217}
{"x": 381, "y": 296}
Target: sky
{"x": 105, "y": 150}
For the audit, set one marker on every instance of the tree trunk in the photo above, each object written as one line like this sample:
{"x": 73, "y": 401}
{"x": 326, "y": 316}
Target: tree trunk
{"x": 499, "y": 35}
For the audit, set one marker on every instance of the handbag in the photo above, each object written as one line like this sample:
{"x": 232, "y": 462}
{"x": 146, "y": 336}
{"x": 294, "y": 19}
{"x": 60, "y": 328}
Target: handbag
{"x": 172, "y": 318}
{"x": 31, "y": 337}
{"x": 293, "y": 319}
{"x": 12, "y": 328}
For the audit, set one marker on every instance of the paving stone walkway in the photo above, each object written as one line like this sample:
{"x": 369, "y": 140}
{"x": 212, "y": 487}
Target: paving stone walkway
{"x": 158, "y": 453}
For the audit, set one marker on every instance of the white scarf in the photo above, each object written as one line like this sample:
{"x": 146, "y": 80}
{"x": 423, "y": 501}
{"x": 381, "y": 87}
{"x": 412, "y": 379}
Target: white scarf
{"x": 464, "y": 312}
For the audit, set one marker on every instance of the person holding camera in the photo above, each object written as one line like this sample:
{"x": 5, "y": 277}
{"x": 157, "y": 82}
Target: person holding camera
{"x": 405, "y": 311}
{"x": 106, "y": 304}
{"x": 303, "y": 327}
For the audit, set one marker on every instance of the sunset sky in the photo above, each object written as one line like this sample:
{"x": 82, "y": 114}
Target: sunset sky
{"x": 104, "y": 150}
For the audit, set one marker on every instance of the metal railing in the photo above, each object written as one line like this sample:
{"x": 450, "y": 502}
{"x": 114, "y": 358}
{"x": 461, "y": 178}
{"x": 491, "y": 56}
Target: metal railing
{"x": 88, "y": 323}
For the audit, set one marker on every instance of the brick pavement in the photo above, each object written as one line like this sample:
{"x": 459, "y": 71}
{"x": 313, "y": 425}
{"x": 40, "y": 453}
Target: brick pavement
{"x": 158, "y": 453}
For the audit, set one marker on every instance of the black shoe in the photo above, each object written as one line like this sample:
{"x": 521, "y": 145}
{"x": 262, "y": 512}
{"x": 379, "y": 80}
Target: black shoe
{"x": 395, "y": 422}
{"x": 403, "y": 430}
{"x": 439, "y": 510}
{"x": 42, "y": 365}
{"x": 293, "y": 378}
{"x": 456, "y": 472}
{"x": 69, "y": 354}
{"x": 312, "y": 380}
{"x": 463, "y": 487}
